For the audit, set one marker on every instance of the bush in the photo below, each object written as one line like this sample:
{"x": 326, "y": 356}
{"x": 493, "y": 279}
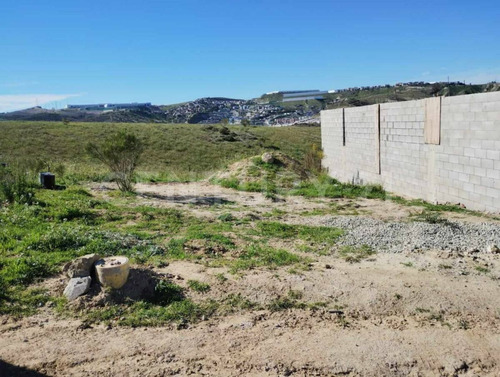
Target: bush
{"x": 15, "y": 186}
{"x": 120, "y": 153}
{"x": 312, "y": 159}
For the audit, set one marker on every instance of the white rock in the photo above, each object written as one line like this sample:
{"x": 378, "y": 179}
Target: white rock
{"x": 267, "y": 158}
{"x": 493, "y": 249}
{"x": 77, "y": 287}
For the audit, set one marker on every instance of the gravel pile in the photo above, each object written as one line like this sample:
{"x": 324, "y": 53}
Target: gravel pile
{"x": 396, "y": 237}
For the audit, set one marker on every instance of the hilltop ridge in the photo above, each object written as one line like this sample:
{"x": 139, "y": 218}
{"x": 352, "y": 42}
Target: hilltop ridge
{"x": 270, "y": 109}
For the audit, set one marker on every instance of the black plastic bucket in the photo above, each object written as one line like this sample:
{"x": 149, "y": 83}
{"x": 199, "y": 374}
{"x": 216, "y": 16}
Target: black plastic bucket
{"x": 48, "y": 180}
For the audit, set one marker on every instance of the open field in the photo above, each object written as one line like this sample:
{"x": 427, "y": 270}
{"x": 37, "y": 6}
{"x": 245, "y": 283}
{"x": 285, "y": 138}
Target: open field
{"x": 267, "y": 289}
{"x": 173, "y": 150}
{"x": 266, "y": 269}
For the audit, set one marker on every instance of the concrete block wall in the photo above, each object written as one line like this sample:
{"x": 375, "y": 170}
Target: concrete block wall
{"x": 463, "y": 168}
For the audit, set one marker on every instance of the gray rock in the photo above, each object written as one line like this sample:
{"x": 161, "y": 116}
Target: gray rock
{"x": 82, "y": 266}
{"x": 267, "y": 158}
{"x": 77, "y": 287}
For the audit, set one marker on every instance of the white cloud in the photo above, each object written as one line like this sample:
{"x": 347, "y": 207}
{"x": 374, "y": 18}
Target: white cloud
{"x": 19, "y": 84}
{"x": 12, "y": 102}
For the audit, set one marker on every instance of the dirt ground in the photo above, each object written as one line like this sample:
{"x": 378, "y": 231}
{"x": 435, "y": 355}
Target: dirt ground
{"x": 390, "y": 315}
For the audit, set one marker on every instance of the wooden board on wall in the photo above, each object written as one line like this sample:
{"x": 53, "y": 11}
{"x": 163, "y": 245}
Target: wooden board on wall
{"x": 432, "y": 127}
{"x": 377, "y": 139}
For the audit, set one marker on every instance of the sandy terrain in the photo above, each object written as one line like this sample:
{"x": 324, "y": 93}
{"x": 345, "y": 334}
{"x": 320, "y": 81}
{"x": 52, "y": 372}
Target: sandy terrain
{"x": 391, "y": 315}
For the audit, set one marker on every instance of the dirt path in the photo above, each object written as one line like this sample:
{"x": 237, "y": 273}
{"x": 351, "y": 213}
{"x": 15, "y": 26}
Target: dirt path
{"x": 392, "y": 320}
{"x": 202, "y": 196}
{"x": 409, "y": 314}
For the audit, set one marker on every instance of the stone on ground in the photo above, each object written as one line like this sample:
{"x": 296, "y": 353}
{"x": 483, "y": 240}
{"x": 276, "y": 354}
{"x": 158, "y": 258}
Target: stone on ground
{"x": 82, "y": 266}
{"x": 494, "y": 249}
{"x": 77, "y": 287}
{"x": 267, "y": 158}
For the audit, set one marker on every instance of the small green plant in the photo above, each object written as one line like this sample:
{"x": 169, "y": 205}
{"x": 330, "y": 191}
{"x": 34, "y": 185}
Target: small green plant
{"x": 167, "y": 293}
{"x": 313, "y": 158}
{"x": 431, "y": 218}
{"x": 234, "y": 302}
{"x": 407, "y": 264}
{"x": 282, "y": 303}
{"x": 295, "y": 295}
{"x": 227, "y": 217}
{"x": 15, "y": 186}
{"x": 482, "y": 270}
{"x": 463, "y": 324}
{"x": 353, "y": 254}
{"x": 397, "y": 296}
{"x": 198, "y": 286}
{"x": 221, "y": 278}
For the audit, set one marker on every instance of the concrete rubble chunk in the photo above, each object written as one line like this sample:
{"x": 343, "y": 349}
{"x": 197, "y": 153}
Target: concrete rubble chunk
{"x": 267, "y": 158}
{"x": 82, "y": 266}
{"x": 77, "y": 287}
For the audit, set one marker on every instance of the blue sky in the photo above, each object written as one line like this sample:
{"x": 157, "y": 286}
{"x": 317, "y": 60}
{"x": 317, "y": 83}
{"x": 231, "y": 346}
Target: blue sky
{"x": 57, "y": 52}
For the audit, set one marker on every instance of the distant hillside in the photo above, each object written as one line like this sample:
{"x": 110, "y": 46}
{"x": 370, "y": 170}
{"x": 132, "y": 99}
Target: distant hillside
{"x": 368, "y": 96}
{"x": 136, "y": 115}
{"x": 269, "y": 109}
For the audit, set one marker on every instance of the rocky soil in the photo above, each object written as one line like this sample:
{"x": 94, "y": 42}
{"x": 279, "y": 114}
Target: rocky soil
{"x": 396, "y": 237}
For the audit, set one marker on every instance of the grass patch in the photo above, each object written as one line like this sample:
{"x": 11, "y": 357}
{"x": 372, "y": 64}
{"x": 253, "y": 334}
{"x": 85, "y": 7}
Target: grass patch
{"x": 325, "y": 186}
{"x": 221, "y": 278}
{"x": 147, "y": 314}
{"x": 353, "y": 254}
{"x": 482, "y": 270}
{"x": 303, "y": 232}
{"x": 198, "y": 286}
{"x": 235, "y": 302}
{"x": 264, "y": 256}
{"x": 166, "y": 293}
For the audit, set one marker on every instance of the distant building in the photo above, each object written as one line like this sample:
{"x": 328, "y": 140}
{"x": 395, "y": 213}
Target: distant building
{"x": 303, "y": 95}
{"x": 109, "y": 106}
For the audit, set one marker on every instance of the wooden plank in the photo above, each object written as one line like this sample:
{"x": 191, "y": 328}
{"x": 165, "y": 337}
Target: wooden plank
{"x": 377, "y": 139}
{"x": 432, "y": 126}
{"x": 343, "y": 126}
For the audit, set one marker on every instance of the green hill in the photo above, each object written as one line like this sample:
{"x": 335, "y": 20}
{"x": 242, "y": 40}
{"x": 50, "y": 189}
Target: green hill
{"x": 174, "y": 151}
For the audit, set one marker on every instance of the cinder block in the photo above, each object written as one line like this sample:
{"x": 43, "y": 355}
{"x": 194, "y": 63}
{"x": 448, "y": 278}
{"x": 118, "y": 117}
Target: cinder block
{"x": 469, "y": 152}
{"x": 493, "y": 193}
{"x": 492, "y": 173}
{"x": 474, "y": 179}
{"x": 487, "y": 164}
{"x": 494, "y": 155}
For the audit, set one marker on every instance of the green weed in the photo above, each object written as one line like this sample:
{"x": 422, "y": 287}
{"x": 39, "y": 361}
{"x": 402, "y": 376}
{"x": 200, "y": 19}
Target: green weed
{"x": 198, "y": 286}
{"x": 256, "y": 256}
{"x": 353, "y": 254}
